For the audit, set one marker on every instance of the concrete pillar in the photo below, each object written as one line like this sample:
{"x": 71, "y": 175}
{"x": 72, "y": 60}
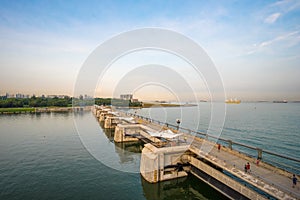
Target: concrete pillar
{"x": 259, "y": 153}
{"x": 229, "y": 144}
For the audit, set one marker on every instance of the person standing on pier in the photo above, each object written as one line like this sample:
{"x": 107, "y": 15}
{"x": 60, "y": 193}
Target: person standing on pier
{"x": 245, "y": 168}
{"x": 219, "y": 147}
{"x": 248, "y": 167}
{"x": 294, "y": 180}
{"x": 257, "y": 161}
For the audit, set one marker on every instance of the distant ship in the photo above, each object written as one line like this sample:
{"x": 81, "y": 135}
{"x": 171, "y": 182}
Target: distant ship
{"x": 284, "y": 101}
{"x": 234, "y": 101}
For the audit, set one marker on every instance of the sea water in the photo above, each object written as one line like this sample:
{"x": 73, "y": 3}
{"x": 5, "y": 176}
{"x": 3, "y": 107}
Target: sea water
{"x": 42, "y": 156}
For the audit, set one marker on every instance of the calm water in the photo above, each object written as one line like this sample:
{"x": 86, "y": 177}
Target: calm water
{"x": 42, "y": 156}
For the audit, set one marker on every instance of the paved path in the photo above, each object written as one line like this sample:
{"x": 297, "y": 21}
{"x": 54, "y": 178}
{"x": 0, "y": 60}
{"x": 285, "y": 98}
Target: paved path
{"x": 259, "y": 176}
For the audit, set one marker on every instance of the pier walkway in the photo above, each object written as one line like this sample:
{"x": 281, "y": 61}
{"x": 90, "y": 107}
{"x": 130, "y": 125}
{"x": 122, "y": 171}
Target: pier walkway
{"x": 272, "y": 182}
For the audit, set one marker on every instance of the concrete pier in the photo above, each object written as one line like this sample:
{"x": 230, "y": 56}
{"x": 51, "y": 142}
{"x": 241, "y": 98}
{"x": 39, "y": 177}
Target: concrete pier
{"x": 103, "y": 114}
{"x": 160, "y": 164}
{"x": 126, "y": 133}
{"x": 112, "y": 121}
{"x": 169, "y": 154}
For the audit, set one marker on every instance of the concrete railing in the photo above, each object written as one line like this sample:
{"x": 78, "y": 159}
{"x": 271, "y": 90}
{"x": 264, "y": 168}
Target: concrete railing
{"x": 225, "y": 179}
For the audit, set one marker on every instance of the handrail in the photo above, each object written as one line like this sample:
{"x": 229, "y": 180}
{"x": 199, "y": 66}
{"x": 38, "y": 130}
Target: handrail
{"x": 282, "y": 156}
{"x": 211, "y": 136}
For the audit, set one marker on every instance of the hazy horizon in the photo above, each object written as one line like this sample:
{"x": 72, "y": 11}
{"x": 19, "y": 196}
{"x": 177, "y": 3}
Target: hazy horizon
{"x": 160, "y": 98}
{"x": 254, "y": 45}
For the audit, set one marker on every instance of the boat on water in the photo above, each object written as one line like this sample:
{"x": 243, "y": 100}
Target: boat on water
{"x": 233, "y": 101}
{"x": 284, "y": 101}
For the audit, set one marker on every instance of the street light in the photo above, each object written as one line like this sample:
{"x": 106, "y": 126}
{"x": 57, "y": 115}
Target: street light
{"x": 178, "y": 122}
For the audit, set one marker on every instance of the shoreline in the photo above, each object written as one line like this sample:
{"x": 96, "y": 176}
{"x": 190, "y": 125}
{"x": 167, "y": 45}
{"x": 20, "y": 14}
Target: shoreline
{"x": 34, "y": 110}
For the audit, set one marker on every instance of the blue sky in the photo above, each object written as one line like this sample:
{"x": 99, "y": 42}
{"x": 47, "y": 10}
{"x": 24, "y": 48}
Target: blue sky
{"x": 255, "y": 45}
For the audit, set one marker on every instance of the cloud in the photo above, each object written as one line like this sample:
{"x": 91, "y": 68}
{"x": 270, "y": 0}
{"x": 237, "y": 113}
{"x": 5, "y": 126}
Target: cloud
{"x": 279, "y": 38}
{"x": 279, "y": 9}
{"x": 272, "y": 18}
{"x": 286, "y": 5}
{"x": 291, "y": 36}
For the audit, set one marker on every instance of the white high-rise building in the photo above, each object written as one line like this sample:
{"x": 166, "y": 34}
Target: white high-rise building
{"x": 126, "y": 96}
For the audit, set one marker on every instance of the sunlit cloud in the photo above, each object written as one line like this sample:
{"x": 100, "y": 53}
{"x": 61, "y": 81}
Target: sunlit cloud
{"x": 286, "y": 5}
{"x": 272, "y": 18}
{"x": 292, "y": 36}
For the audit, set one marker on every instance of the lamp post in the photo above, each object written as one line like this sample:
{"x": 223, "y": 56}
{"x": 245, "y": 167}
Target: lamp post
{"x": 178, "y": 123}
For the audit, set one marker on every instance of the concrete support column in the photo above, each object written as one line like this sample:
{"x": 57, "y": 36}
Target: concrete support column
{"x": 259, "y": 153}
{"x": 229, "y": 144}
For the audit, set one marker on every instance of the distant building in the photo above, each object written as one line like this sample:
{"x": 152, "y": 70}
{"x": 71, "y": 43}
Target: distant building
{"x": 87, "y": 97}
{"x": 20, "y": 96}
{"x": 17, "y": 96}
{"x": 62, "y": 96}
{"x": 57, "y": 96}
{"x": 134, "y": 100}
{"x": 126, "y": 96}
{"x": 10, "y": 95}
{"x": 51, "y": 96}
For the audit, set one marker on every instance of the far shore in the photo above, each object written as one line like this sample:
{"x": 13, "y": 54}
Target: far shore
{"x": 76, "y": 109}
{"x": 19, "y": 110}
{"x": 42, "y": 109}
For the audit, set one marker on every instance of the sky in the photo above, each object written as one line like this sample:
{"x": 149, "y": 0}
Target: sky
{"x": 254, "y": 45}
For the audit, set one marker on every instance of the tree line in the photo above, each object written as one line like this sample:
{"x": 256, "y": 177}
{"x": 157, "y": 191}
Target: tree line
{"x": 35, "y": 102}
{"x": 117, "y": 102}
{"x": 63, "y": 102}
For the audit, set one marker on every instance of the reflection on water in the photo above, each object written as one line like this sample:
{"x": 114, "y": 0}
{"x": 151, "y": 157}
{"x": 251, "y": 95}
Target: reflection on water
{"x": 134, "y": 147}
{"x": 181, "y": 188}
{"x": 129, "y": 152}
{"x": 109, "y": 133}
